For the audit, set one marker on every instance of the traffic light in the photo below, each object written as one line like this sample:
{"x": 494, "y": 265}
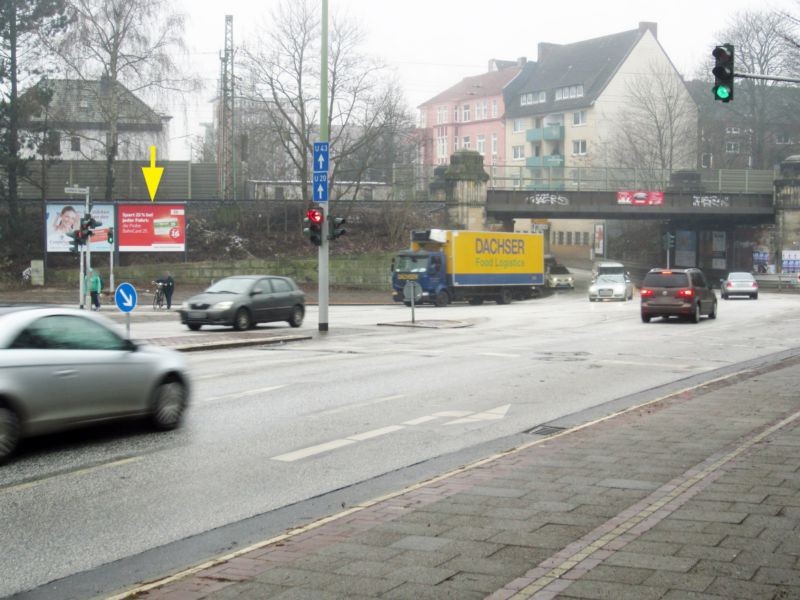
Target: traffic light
{"x": 336, "y": 225}
{"x": 110, "y": 235}
{"x": 313, "y": 222}
{"x": 77, "y": 239}
{"x": 669, "y": 240}
{"x": 723, "y": 72}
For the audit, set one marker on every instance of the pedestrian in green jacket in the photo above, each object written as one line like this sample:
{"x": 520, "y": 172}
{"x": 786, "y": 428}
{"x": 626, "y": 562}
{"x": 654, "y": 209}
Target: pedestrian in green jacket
{"x": 95, "y": 286}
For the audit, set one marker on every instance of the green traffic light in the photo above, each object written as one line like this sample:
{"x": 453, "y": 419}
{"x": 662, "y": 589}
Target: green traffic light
{"x": 722, "y": 92}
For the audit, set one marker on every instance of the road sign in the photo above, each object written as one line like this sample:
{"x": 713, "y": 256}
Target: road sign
{"x": 320, "y": 157}
{"x": 125, "y": 297}
{"x": 76, "y": 190}
{"x": 320, "y": 187}
{"x": 412, "y": 292}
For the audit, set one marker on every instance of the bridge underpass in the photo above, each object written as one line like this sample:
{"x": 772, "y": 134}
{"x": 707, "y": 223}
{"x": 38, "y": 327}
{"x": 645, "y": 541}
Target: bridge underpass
{"x": 739, "y": 216}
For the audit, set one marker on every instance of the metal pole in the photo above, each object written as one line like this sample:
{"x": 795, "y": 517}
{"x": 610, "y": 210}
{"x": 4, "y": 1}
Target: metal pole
{"x": 88, "y": 244}
{"x": 323, "y": 130}
{"x": 81, "y": 291}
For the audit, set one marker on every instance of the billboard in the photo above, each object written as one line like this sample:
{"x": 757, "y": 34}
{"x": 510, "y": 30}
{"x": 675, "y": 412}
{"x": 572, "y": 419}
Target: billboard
{"x": 151, "y": 227}
{"x": 599, "y": 239}
{"x": 640, "y": 198}
{"x": 61, "y": 218}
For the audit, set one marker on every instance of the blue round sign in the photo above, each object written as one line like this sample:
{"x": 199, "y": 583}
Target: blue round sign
{"x": 125, "y": 297}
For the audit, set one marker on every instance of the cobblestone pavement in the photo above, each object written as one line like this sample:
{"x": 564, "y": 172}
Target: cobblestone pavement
{"x": 693, "y": 495}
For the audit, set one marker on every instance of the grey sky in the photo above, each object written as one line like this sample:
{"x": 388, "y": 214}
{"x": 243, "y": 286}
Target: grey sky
{"x": 433, "y": 44}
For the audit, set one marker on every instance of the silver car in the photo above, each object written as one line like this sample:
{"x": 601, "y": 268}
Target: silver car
{"x": 611, "y": 286}
{"x": 739, "y": 284}
{"x": 62, "y": 368}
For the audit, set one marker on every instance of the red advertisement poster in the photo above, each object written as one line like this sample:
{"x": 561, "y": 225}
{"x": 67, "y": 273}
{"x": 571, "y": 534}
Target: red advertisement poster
{"x": 151, "y": 227}
{"x": 640, "y": 198}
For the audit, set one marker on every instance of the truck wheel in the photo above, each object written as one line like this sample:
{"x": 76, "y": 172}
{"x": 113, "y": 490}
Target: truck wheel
{"x": 505, "y": 297}
{"x": 442, "y": 298}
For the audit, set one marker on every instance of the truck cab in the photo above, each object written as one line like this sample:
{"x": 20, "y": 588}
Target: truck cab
{"x": 426, "y": 268}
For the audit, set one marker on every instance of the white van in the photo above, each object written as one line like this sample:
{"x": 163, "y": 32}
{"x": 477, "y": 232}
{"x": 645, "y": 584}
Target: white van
{"x": 608, "y": 268}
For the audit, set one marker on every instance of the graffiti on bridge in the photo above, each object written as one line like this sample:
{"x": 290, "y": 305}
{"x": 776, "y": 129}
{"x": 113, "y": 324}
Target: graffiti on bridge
{"x": 711, "y": 201}
{"x": 551, "y": 199}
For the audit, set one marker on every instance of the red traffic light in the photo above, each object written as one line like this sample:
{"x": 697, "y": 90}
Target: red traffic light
{"x": 314, "y": 215}
{"x": 721, "y": 54}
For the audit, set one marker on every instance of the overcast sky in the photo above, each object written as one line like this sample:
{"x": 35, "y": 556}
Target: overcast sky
{"x": 433, "y": 44}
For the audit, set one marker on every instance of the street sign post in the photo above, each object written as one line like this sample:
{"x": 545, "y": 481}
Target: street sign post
{"x": 412, "y": 292}
{"x": 125, "y": 298}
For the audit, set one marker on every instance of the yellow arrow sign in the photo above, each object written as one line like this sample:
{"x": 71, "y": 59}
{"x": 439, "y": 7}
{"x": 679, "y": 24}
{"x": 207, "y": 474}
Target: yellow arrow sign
{"x": 152, "y": 174}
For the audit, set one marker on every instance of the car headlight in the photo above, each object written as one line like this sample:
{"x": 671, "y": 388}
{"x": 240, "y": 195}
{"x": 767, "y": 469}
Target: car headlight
{"x": 592, "y": 289}
{"x": 223, "y": 305}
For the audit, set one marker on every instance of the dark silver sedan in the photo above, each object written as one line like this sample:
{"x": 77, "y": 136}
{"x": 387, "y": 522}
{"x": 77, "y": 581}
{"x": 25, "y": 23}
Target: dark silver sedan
{"x": 244, "y": 301}
{"x": 62, "y": 368}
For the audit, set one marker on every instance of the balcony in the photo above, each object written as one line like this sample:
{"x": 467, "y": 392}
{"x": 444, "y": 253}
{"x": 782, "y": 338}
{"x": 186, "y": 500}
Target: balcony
{"x": 545, "y": 134}
{"x": 551, "y": 160}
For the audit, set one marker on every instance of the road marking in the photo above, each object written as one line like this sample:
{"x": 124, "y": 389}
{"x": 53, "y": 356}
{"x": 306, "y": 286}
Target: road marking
{"x": 339, "y": 409}
{"x": 500, "y": 354}
{"x": 420, "y": 420}
{"x": 312, "y": 450}
{"x": 453, "y": 413}
{"x": 76, "y": 473}
{"x": 368, "y": 435}
{"x": 243, "y": 394}
{"x": 489, "y": 415}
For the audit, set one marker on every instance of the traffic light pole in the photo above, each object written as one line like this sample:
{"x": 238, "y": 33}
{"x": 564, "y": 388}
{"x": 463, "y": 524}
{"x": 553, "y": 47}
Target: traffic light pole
{"x": 87, "y": 212}
{"x": 323, "y": 130}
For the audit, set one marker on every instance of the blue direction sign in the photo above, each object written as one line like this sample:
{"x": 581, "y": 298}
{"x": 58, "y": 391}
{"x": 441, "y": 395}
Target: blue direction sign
{"x": 320, "y": 187}
{"x": 125, "y": 297}
{"x": 320, "y": 157}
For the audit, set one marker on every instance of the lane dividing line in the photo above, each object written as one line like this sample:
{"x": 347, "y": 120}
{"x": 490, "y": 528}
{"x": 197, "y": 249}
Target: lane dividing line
{"x": 141, "y": 589}
{"x": 243, "y": 394}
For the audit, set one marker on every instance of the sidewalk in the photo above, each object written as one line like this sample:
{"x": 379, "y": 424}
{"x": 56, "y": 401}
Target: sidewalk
{"x": 693, "y": 495}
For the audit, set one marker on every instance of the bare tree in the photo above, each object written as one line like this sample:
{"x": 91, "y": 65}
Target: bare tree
{"x": 657, "y": 132}
{"x": 283, "y": 77}
{"x": 130, "y": 43}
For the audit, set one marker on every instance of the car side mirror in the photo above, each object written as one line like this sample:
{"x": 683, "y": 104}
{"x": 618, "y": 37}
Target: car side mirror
{"x": 131, "y": 346}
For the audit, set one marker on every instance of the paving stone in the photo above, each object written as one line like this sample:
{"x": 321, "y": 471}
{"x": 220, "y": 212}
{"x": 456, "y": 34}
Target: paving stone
{"x": 487, "y": 566}
{"x": 366, "y": 586}
{"x": 686, "y": 595}
{"x": 632, "y": 484}
{"x": 735, "y": 588}
{"x": 359, "y": 551}
{"x": 650, "y": 561}
{"x": 725, "y": 569}
{"x": 413, "y": 591}
{"x": 420, "y": 542}
{"x": 765, "y": 559}
{"x": 521, "y": 554}
{"x": 709, "y": 552}
{"x": 605, "y": 590}
{"x": 682, "y": 537}
{"x": 424, "y": 575}
{"x": 483, "y": 582}
{"x": 680, "y": 581}
{"x": 710, "y": 516}
{"x": 659, "y": 548}
{"x": 425, "y": 559}
{"x": 366, "y": 568}
{"x": 627, "y": 575}
{"x": 790, "y": 577}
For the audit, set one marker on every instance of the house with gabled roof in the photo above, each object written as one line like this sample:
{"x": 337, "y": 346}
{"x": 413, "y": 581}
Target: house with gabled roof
{"x": 77, "y": 115}
{"x": 565, "y": 109}
{"x": 467, "y": 116}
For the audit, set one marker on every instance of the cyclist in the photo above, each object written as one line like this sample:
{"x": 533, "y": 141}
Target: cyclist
{"x": 168, "y": 284}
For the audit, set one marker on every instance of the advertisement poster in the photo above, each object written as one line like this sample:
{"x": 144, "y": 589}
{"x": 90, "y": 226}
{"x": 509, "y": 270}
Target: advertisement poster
{"x": 640, "y": 198}
{"x": 151, "y": 227}
{"x": 599, "y": 239}
{"x": 64, "y": 217}
{"x": 685, "y": 248}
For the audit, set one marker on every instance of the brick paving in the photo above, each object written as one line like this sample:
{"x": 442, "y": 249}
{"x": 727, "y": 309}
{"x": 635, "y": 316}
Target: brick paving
{"x": 694, "y": 496}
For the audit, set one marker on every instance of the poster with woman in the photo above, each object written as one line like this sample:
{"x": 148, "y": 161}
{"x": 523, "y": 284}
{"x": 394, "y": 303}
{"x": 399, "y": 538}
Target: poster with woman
{"x": 66, "y": 217}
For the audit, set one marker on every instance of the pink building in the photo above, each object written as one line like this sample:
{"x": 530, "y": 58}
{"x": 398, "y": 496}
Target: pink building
{"x": 468, "y": 116}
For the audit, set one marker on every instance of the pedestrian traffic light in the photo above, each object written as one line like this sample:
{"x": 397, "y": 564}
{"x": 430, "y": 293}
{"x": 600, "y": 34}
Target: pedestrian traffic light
{"x": 110, "y": 238}
{"x": 313, "y": 222}
{"x": 336, "y": 225}
{"x": 723, "y": 72}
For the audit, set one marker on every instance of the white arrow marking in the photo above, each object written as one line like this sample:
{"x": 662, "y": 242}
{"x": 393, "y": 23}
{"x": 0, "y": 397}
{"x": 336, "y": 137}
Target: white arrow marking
{"x": 321, "y": 162}
{"x": 126, "y": 300}
{"x": 320, "y": 189}
{"x": 489, "y": 415}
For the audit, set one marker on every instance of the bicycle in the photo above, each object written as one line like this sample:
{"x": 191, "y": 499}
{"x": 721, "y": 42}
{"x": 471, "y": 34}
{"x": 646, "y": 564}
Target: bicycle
{"x": 159, "y": 299}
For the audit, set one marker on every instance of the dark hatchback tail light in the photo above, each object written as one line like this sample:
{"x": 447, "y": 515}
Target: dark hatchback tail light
{"x": 685, "y": 293}
{"x": 646, "y": 293}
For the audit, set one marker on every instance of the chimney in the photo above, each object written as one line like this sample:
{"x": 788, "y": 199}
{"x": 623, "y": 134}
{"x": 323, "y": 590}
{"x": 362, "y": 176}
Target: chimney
{"x": 521, "y": 61}
{"x": 543, "y": 50}
{"x": 648, "y": 26}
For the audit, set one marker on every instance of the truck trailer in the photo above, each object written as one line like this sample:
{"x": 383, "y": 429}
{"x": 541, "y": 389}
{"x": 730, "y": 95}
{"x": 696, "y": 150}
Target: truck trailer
{"x": 472, "y": 266}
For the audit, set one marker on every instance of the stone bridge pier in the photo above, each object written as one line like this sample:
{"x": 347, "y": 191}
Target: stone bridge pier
{"x": 787, "y": 216}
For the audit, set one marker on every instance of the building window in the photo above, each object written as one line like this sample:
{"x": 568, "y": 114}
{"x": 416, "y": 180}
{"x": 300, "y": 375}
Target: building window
{"x": 706, "y": 160}
{"x": 494, "y": 144}
{"x": 465, "y": 113}
{"x": 494, "y": 109}
{"x": 579, "y": 117}
{"x": 585, "y": 238}
{"x": 782, "y": 138}
{"x": 441, "y": 115}
{"x": 455, "y": 143}
{"x": 569, "y": 238}
{"x": 532, "y": 98}
{"x": 484, "y": 110}
{"x": 560, "y": 238}
{"x": 518, "y": 125}
{"x": 570, "y": 91}
{"x": 517, "y": 152}
{"x": 579, "y": 147}
{"x": 441, "y": 146}
{"x": 480, "y": 144}
{"x": 732, "y": 131}
{"x": 75, "y": 143}
{"x": 465, "y": 145}
{"x": 732, "y": 147}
